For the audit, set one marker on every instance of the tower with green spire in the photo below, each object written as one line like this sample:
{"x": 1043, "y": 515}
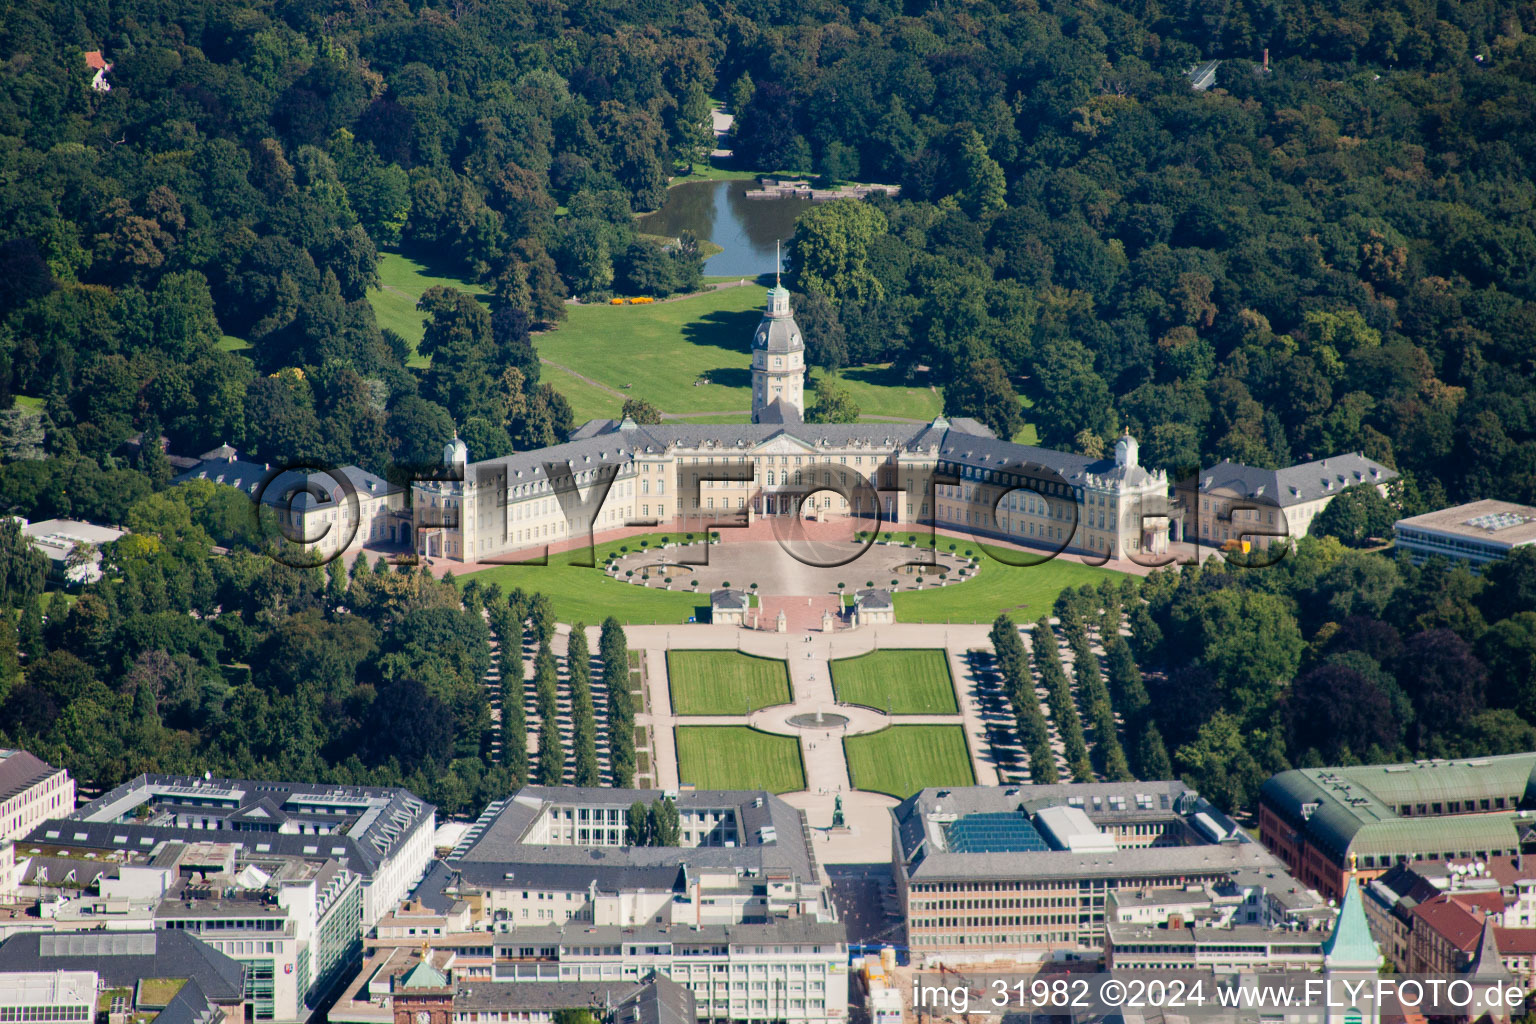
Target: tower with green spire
{"x": 1351, "y": 954}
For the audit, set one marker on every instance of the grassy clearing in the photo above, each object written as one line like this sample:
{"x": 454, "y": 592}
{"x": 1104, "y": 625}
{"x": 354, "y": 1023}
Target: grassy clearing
{"x": 725, "y": 682}
{"x": 659, "y": 350}
{"x": 401, "y": 282}
{"x": 230, "y": 343}
{"x": 580, "y": 594}
{"x": 900, "y": 682}
{"x": 588, "y": 402}
{"x": 879, "y": 392}
{"x": 737, "y": 757}
{"x": 903, "y": 759}
{"x": 1025, "y": 592}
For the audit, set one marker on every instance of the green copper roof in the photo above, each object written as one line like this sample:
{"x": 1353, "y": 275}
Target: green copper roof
{"x": 1351, "y": 946}
{"x": 1361, "y": 809}
{"x": 424, "y": 975}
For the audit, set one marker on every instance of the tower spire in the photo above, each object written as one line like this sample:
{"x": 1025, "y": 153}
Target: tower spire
{"x": 778, "y": 263}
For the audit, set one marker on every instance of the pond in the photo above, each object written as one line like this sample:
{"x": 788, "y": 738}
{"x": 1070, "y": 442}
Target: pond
{"x": 745, "y": 229}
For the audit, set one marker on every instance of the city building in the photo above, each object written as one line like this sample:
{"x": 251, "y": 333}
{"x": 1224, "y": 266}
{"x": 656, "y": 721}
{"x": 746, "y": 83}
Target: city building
{"x": 295, "y": 924}
{"x": 426, "y": 996}
{"x": 1325, "y": 823}
{"x": 73, "y": 548}
{"x": 543, "y": 889}
{"x": 383, "y": 835}
{"x": 1448, "y": 931}
{"x": 1237, "y": 503}
{"x": 953, "y": 474}
{"x": 1247, "y": 897}
{"x": 1184, "y": 947}
{"x": 30, "y": 791}
{"x": 1023, "y": 873}
{"x": 1477, "y": 533}
{"x": 47, "y": 997}
{"x": 324, "y": 511}
{"x": 191, "y": 980}
{"x": 1391, "y": 898}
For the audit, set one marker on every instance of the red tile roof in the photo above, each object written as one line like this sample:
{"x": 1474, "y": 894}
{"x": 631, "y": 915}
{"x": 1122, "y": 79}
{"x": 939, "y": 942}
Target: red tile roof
{"x": 94, "y": 60}
{"x": 1516, "y": 941}
{"x": 1459, "y": 925}
{"x": 1489, "y": 901}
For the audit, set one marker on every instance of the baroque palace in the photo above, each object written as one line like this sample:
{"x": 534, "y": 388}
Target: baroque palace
{"x": 951, "y": 474}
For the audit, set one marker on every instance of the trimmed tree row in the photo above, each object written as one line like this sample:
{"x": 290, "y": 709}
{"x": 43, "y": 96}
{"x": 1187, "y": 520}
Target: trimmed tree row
{"x": 1018, "y": 681}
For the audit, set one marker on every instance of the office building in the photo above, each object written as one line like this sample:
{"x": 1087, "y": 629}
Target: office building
{"x": 191, "y": 980}
{"x": 1022, "y": 873}
{"x": 47, "y": 997}
{"x": 1477, "y": 533}
{"x": 543, "y": 890}
{"x": 1326, "y": 822}
{"x": 383, "y": 835}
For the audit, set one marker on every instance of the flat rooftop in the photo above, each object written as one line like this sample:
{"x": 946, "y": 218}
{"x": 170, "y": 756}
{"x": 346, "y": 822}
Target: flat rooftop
{"x": 1496, "y": 522}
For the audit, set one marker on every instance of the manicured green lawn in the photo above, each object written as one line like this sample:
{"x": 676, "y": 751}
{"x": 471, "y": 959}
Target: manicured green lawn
{"x": 588, "y": 402}
{"x": 737, "y": 757}
{"x": 914, "y": 681}
{"x": 1025, "y": 592}
{"x": 725, "y": 682}
{"x": 879, "y": 392}
{"x": 662, "y": 348}
{"x": 903, "y": 759}
{"x": 401, "y": 282}
{"x": 580, "y": 594}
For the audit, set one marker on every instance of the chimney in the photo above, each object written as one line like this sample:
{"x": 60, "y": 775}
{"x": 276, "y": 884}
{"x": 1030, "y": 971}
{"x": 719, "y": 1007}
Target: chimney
{"x": 1266, "y": 58}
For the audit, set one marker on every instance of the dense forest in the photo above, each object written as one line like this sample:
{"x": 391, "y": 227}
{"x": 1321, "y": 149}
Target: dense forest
{"x": 1330, "y": 249}
{"x": 1330, "y": 252}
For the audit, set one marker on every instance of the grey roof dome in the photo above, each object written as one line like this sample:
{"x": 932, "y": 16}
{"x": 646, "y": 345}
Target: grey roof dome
{"x": 778, "y": 331}
{"x": 778, "y": 334}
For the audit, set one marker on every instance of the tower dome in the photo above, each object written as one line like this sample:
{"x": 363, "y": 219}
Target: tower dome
{"x": 455, "y": 453}
{"x": 778, "y": 332}
{"x": 1125, "y": 450}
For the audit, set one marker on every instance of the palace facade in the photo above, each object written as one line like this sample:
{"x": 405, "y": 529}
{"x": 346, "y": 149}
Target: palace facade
{"x": 951, "y": 474}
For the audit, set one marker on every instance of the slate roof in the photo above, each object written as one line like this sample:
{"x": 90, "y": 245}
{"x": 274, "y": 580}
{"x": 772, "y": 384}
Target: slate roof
{"x": 874, "y": 600}
{"x": 20, "y": 771}
{"x": 598, "y": 443}
{"x": 657, "y": 1000}
{"x": 495, "y": 845}
{"x": 1294, "y": 485}
{"x": 122, "y": 958}
{"x": 308, "y": 489}
{"x": 728, "y": 600}
{"x": 778, "y": 334}
{"x": 660, "y": 1001}
{"x": 384, "y": 817}
{"x": 188, "y": 1006}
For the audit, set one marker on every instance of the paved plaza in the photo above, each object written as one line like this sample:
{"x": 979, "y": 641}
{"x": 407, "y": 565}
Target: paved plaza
{"x": 792, "y": 569}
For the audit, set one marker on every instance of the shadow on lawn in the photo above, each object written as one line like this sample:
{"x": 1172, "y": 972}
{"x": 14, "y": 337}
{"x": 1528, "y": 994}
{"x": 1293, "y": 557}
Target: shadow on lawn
{"x": 722, "y": 329}
{"x": 729, "y": 376}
